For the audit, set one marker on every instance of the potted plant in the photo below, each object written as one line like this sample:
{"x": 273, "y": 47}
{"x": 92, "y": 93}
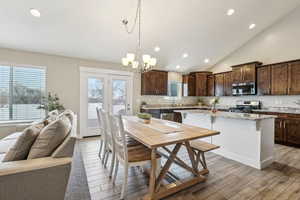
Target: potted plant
{"x": 50, "y": 103}
{"x": 214, "y": 103}
{"x": 144, "y": 117}
{"x": 201, "y": 101}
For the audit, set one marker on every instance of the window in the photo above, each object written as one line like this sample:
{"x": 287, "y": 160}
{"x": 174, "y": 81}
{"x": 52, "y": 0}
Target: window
{"x": 21, "y": 92}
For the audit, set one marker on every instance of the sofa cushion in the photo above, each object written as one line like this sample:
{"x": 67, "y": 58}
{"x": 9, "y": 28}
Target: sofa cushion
{"x": 13, "y": 136}
{"x": 2, "y": 155}
{"x": 50, "y": 138}
{"x": 22, "y": 146}
{"x": 6, "y": 144}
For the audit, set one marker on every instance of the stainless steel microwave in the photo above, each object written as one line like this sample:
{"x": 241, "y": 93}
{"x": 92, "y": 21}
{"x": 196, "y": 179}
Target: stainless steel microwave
{"x": 243, "y": 89}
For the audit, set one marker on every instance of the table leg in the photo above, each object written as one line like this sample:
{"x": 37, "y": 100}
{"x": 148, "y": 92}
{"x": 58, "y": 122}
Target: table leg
{"x": 152, "y": 183}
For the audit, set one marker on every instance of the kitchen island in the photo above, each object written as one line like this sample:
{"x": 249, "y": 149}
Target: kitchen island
{"x": 245, "y": 138}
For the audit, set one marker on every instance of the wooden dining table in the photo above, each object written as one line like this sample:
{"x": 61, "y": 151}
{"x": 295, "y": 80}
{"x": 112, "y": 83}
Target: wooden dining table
{"x": 162, "y": 134}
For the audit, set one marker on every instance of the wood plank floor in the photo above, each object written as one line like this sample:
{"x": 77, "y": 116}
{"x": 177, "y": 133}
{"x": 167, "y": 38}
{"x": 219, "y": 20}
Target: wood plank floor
{"x": 227, "y": 179}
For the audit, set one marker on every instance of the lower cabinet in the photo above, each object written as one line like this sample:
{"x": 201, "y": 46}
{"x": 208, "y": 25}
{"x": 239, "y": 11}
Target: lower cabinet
{"x": 279, "y": 130}
{"x": 292, "y": 131}
{"x": 287, "y": 131}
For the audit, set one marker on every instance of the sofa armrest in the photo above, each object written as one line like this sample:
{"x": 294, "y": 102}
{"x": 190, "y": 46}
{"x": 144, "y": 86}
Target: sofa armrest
{"x": 43, "y": 178}
{"x": 14, "y": 167}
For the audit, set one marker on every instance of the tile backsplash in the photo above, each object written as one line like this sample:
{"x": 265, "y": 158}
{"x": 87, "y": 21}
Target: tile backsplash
{"x": 168, "y": 100}
{"x": 267, "y": 101}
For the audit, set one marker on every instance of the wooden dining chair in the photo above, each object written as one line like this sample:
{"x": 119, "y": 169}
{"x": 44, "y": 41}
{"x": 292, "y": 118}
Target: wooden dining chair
{"x": 109, "y": 142}
{"x": 102, "y": 132}
{"x": 128, "y": 156}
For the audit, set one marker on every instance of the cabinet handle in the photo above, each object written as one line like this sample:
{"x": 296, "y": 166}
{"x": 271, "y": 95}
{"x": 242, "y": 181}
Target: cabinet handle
{"x": 284, "y": 125}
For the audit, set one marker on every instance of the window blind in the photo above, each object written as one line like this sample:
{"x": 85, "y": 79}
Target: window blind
{"x": 21, "y": 92}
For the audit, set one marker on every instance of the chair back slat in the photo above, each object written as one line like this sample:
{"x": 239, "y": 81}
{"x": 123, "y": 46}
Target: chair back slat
{"x": 119, "y": 137}
{"x": 100, "y": 123}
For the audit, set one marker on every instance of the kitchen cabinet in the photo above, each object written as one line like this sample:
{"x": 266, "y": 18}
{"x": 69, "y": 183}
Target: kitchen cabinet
{"x": 292, "y": 131}
{"x": 154, "y": 82}
{"x": 228, "y": 84}
{"x": 201, "y": 83}
{"x": 287, "y": 128}
{"x": 192, "y": 85}
{"x": 294, "y": 78}
{"x": 279, "y": 84}
{"x": 244, "y": 73}
{"x": 219, "y": 84}
{"x": 211, "y": 85}
{"x": 264, "y": 80}
{"x": 279, "y": 130}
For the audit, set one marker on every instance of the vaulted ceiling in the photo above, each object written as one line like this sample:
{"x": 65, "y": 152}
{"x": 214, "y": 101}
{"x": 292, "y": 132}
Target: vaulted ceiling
{"x": 92, "y": 29}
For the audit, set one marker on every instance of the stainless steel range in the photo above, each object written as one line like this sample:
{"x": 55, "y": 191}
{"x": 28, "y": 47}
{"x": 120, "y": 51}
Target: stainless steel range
{"x": 245, "y": 106}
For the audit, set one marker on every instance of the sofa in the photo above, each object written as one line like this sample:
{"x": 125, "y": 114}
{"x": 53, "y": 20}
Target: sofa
{"x": 43, "y": 178}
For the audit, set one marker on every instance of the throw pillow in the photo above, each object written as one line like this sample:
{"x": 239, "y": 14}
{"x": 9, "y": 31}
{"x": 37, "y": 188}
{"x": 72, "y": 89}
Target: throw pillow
{"x": 20, "y": 150}
{"x": 50, "y": 138}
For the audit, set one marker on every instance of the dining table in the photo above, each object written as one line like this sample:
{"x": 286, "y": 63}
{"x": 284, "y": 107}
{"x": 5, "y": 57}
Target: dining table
{"x": 171, "y": 137}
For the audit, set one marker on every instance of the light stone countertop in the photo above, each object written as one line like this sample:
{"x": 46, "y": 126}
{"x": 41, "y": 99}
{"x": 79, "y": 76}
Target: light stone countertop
{"x": 181, "y": 107}
{"x": 233, "y": 115}
{"x": 285, "y": 110}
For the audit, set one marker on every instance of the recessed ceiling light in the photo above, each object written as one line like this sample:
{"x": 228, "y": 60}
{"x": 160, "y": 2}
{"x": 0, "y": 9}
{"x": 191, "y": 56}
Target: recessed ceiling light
{"x": 178, "y": 66}
{"x": 230, "y": 12}
{"x": 34, "y": 12}
{"x": 157, "y": 49}
{"x": 252, "y": 26}
{"x": 206, "y": 60}
{"x": 185, "y": 55}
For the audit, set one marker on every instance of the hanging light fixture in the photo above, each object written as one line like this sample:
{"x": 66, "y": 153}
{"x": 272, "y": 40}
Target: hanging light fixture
{"x": 143, "y": 62}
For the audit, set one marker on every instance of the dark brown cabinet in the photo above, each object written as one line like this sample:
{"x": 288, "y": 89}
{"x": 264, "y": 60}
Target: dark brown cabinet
{"x": 287, "y": 128}
{"x": 154, "y": 82}
{"x": 219, "y": 84}
{"x": 201, "y": 83}
{"x": 244, "y": 73}
{"x": 294, "y": 78}
{"x": 192, "y": 85}
{"x": 279, "y": 130}
{"x": 264, "y": 80}
{"x": 228, "y": 84}
{"x": 279, "y": 84}
{"x": 211, "y": 85}
{"x": 292, "y": 131}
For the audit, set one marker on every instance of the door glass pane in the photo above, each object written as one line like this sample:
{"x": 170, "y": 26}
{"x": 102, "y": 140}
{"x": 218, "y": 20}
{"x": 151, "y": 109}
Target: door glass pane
{"x": 95, "y": 99}
{"x": 119, "y": 96}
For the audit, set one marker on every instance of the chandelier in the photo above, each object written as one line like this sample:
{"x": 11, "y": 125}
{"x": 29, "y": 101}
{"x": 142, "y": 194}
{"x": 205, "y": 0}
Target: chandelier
{"x": 138, "y": 60}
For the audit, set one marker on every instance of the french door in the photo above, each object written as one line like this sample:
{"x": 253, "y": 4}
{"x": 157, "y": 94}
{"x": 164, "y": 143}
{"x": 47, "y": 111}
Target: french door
{"x": 109, "y": 90}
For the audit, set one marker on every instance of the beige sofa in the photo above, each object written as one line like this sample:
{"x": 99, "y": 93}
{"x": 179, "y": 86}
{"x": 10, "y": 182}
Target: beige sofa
{"x": 37, "y": 179}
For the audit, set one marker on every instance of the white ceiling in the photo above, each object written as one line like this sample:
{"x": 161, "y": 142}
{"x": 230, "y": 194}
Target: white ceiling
{"x": 92, "y": 29}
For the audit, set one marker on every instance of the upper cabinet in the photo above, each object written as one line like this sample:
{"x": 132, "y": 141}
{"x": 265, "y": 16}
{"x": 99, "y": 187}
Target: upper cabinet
{"x": 264, "y": 80}
{"x": 219, "y": 84}
{"x": 211, "y": 85}
{"x": 154, "y": 82}
{"x": 245, "y": 72}
{"x": 228, "y": 80}
{"x": 279, "y": 74}
{"x": 192, "y": 84}
{"x": 201, "y": 83}
{"x": 294, "y": 78}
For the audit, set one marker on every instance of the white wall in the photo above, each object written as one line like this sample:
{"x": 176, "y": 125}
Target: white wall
{"x": 63, "y": 74}
{"x": 280, "y": 42}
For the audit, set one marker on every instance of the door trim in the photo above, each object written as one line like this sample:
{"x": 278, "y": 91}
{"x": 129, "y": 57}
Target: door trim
{"x": 85, "y": 72}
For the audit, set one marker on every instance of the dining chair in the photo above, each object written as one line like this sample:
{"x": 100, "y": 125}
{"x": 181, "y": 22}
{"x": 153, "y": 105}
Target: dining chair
{"x": 109, "y": 143}
{"x": 102, "y": 132}
{"x": 128, "y": 156}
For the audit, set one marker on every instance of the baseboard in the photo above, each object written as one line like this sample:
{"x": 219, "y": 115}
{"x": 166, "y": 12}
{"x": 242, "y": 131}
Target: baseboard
{"x": 244, "y": 160}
